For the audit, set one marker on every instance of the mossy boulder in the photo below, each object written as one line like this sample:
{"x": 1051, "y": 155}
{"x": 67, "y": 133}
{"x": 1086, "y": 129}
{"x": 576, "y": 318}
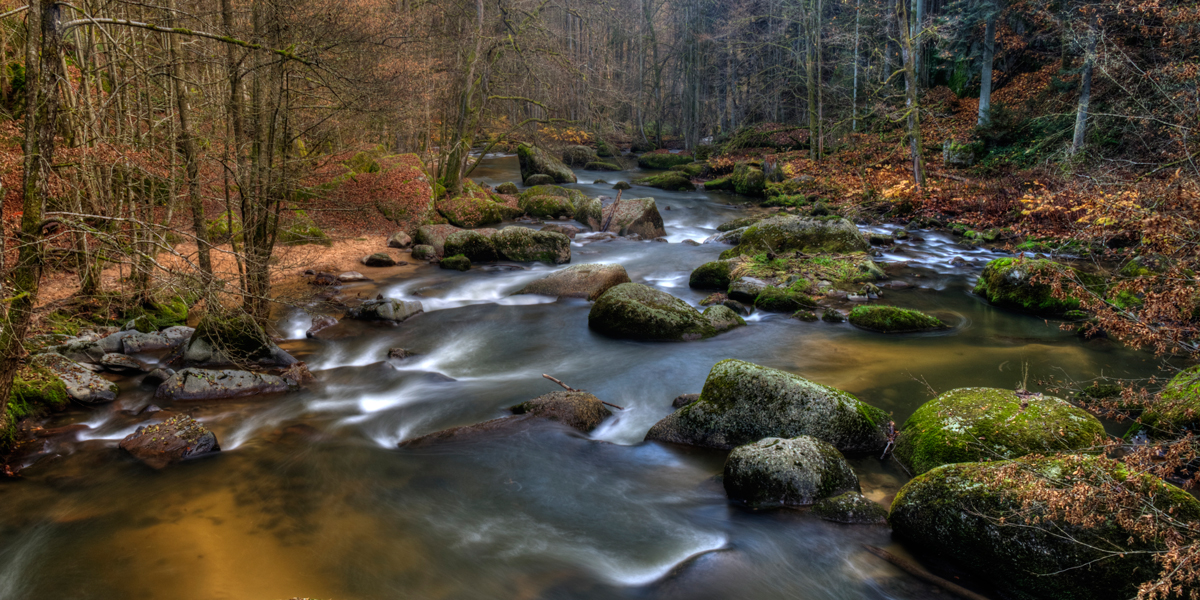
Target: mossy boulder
{"x": 521, "y": 244}
{"x": 790, "y": 233}
{"x": 178, "y": 438}
{"x": 36, "y": 391}
{"x": 578, "y": 156}
{"x": 476, "y": 208}
{"x": 385, "y": 309}
{"x": 205, "y": 384}
{"x": 579, "y": 281}
{"x": 508, "y": 189}
{"x": 672, "y": 181}
{"x": 985, "y": 518}
{"x": 79, "y": 383}
{"x": 638, "y": 216}
{"x": 539, "y": 179}
{"x": 981, "y": 424}
{"x": 473, "y": 245}
{"x": 695, "y": 169}
{"x": 580, "y": 410}
{"x": 724, "y": 184}
{"x": 851, "y": 508}
{"x": 723, "y": 318}
{"x": 1178, "y": 407}
{"x": 424, "y": 252}
{"x": 738, "y": 223}
{"x": 535, "y": 161}
{"x": 457, "y": 262}
{"x": 743, "y": 402}
{"x": 551, "y": 201}
{"x": 640, "y": 312}
{"x": 749, "y": 179}
{"x": 221, "y": 339}
{"x": 1010, "y": 283}
{"x": 787, "y": 472}
{"x": 890, "y": 319}
{"x": 662, "y": 161}
{"x": 716, "y": 275}
{"x": 785, "y": 300}
{"x": 602, "y": 166}
{"x": 434, "y": 235}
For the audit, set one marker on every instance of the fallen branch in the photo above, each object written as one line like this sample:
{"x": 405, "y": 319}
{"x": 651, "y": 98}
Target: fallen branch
{"x": 920, "y": 573}
{"x": 571, "y": 389}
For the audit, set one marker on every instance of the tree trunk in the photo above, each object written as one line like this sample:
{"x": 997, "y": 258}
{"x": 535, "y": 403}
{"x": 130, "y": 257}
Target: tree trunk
{"x": 985, "y": 75}
{"x": 1085, "y": 90}
{"x": 854, "y": 93}
{"x": 191, "y": 161}
{"x": 911, "y": 102}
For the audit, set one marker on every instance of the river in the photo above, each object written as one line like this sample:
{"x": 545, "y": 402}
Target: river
{"x": 311, "y": 497}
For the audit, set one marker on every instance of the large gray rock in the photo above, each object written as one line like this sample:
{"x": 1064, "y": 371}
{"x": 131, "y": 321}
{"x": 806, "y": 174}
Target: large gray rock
{"x": 746, "y": 289}
{"x": 521, "y": 244}
{"x": 638, "y": 216}
{"x": 723, "y": 318}
{"x": 743, "y": 402}
{"x": 112, "y": 343}
{"x": 535, "y": 161}
{"x": 578, "y": 281}
{"x": 137, "y": 342}
{"x": 714, "y": 275}
{"x": 232, "y": 340}
{"x": 636, "y": 311}
{"x": 385, "y": 310}
{"x": 119, "y": 363}
{"x": 790, "y": 234}
{"x": 205, "y": 384}
{"x": 81, "y": 350}
{"x": 173, "y": 440}
{"x": 82, "y": 384}
{"x": 991, "y": 520}
{"x": 399, "y": 240}
{"x": 472, "y": 244}
{"x": 787, "y": 472}
{"x": 434, "y": 235}
{"x": 580, "y": 410}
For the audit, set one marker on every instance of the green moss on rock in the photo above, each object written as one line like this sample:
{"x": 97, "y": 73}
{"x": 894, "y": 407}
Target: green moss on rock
{"x": 980, "y": 424}
{"x": 457, "y": 262}
{"x": 787, "y": 472}
{"x": 715, "y": 275}
{"x": 890, "y": 319}
{"x": 473, "y": 245}
{"x": 785, "y": 300}
{"x": 640, "y": 312}
{"x": 1178, "y": 407}
{"x": 522, "y": 244}
{"x": 851, "y": 508}
{"x": 749, "y": 179}
{"x": 1009, "y": 282}
{"x": 980, "y": 517}
{"x": 789, "y": 234}
{"x": 662, "y": 161}
{"x": 671, "y": 181}
{"x": 738, "y": 223}
{"x": 535, "y": 161}
{"x": 742, "y": 403}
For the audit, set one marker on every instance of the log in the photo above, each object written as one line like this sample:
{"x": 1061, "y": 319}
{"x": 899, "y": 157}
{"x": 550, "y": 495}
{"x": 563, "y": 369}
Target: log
{"x": 916, "y": 571}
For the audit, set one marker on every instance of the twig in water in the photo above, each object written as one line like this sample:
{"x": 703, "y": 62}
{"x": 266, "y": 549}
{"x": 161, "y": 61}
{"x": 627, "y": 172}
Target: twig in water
{"x": 891, "y": 437}
{"x": 920, "y": 573}
{"x": 571, "y": 389}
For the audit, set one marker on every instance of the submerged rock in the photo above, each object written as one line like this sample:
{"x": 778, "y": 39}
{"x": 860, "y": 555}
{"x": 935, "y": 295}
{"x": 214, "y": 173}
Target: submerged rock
{"x": 742, "y": 403}
{"x": 579, "y": 281}
{"x": 636, "y": 311}
{"x": 785, "y": 233}
{"x": 521, "y": 244}
{"x": 787, "y": 472}
{"x": 851, "y": 508}
{"x": 985, "y": 518}
{"x": 205, "y": 384}
{"x": 82, "y": 385}
{"x": 580, "y": 410}
{"x": 387, "y": 309}
{"x": 890, "y": 319}
{"x": 980, "y": 424}
{"x": 173, "y": 440}
{"x": 535, "y": 161}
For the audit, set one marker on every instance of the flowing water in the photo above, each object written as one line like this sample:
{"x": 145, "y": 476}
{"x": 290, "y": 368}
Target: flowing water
{"x": 311, "y": 496}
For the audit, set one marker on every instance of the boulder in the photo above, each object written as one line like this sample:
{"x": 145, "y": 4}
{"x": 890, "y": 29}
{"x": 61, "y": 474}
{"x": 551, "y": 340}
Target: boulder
{"x": 353, "y": 276}
{"x": 457, "y": 262}
{"x": 476, "y": 207}
{"x": 521, "y": 244}
{"x": 1178, "y": 406}
{"x": 787, "y": 300}
{"x": 157, "y": 376}
{"x": 723, "y": 318}
{"x": 786, "y": 233}
{"x": 434, "y": 235}
{"x": 578, "y": 156}
{"x": 508, "y": 189}
{"x": 474, "y": 245}
{"x": 424, "y": 252}
{"x": 119, "y": 363}
{"x": 399, "y": 240}
{"x": 638, "y": 216}
{"x": 579, "y": 281}
{"x": 204, "y": 384}
{"x": 112, "y": 342}
{"x": 787, "y": 472}
{"x": 568, "y": 230}
{"x": 747, "y": 289}
{"x": 535, "y": 161}
{"x": 851, "y": 508}
{"x": 81, "y": 350}
{"x": 981, "y": 424}
{"x": 379, "y": 259}
{"x": 661, "y": 161}
{"x": 739, "y": 223}
{"x": 320, "y": 323}
{"x": 539, "y": 180}
{"x": 598, "y": 165}
{"x": 636, "y": 311}
{"x": 82, "y": 385}
{"x": 227, "y": 340}
{"x": 748, "y": 178}
{"x": 992, "y": 521}
{"x": 580, "y": 410}
{"x": 551, "y": 201}
{"x": 890, "y": 319}
{"x": 386, "y": 309}
{"x": 137, "y": 342}
{"x": 742, "y": 403}
{"x": 673, "y": 181}
{"x": 173, "y": 440}
{"x": 1010, "y": 283}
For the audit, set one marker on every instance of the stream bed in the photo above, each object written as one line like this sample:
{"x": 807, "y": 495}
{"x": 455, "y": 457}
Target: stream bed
{"x": 311, "y": 497}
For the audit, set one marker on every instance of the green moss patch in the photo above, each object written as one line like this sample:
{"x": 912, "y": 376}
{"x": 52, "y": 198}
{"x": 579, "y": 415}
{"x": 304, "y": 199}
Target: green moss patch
{"x": 671, "y": 181}
{"x": 890, "y": 319}
{"x": 662, "y": 161}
